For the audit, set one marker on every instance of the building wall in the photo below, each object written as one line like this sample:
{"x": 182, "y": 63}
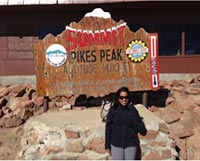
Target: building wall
{"x": 179, "y": 64}
{"x": 16, "y": 55}
{"x": 21, "y": 25}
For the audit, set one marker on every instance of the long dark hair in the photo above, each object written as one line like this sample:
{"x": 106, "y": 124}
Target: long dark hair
{"x": 116, "y": 102}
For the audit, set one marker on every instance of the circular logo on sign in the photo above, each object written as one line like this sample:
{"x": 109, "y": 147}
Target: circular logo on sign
{"x": 56, "y": 55}
{"x": 137, "y": 51}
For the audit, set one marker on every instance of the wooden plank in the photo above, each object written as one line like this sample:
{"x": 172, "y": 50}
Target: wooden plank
{"x": 79, "y": 1}
{"x": 65, "y": 1}
{"x": 48, "y": 1}
{"x": 183, "y": 43}
{"x": 29, "y": 2}
{"x": 38, "y": 2}
{"x": 4, "y": 2}
{"x": 104, "y": 1}
{"x": 15, "y": 2}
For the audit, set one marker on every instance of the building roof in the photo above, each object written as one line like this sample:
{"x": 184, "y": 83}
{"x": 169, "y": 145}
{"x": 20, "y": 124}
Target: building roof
{"x": 46, "y": 2}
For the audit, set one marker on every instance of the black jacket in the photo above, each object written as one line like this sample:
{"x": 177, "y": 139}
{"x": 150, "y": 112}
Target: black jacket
{"x": 122, "y": 127}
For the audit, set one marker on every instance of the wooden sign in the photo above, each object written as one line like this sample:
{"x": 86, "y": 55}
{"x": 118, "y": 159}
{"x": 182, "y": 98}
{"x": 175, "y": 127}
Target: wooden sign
{"x": 96, "y": 56}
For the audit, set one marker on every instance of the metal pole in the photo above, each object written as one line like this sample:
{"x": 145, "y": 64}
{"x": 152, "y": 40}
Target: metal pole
{"x": 144, "y": 99}
{"x": 46, "y": 104}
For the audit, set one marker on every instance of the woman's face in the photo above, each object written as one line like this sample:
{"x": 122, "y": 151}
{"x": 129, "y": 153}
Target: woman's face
{"x": 123, "y": 98}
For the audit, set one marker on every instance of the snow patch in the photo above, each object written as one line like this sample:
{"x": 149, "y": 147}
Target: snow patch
{"x": 98, "y": 12}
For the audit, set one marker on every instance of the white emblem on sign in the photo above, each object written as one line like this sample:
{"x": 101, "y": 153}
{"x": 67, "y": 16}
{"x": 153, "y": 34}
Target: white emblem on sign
{"x": 56, "y": 55}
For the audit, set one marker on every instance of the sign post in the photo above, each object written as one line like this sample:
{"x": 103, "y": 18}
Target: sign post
{"x": 96, "y": 56}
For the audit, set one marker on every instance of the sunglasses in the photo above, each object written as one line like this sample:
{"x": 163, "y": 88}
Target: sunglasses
{"x": 123, "y": 97}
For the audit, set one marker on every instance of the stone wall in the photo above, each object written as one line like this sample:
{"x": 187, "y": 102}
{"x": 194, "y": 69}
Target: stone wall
{"x": 76, "y": 139}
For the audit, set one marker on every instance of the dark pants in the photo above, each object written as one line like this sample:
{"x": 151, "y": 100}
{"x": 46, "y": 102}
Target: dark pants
{"x": 128, "y": 153}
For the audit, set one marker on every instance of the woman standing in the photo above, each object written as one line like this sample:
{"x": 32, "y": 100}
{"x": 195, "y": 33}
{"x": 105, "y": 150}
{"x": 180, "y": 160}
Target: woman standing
{"x": 122, "y": 127}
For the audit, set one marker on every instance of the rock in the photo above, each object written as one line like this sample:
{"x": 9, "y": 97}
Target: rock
{"x": 2, "y": 89}
{"x": 60, "y": 104}
{"x": 169, "y": 100}
{"x": 197, "y": 110}
{"x": 79, "y": 107}
{"x": 6, "y": 110}
{"x": 91, "y": 155}
{"x": 24, "y": 114}
{"x": 1, "y": 113}
{"x": 29, "y": 93}
{"x": 28, "y": 104}
{"x": 153, "y": 155}
{"x": 185, "y": 127}
{"x": 193, "y": 90}
{"x": 15, "y": 102}
{"x": 181, "y": 144}
{"x": 147, "y": 115}
{"x": 181, "y": 130}
{"x": 193, "y": 141}
{"x": 169, "y": 115}
{"x": 5, "y": 91}
{"x": 53, "y": 149}
{"x": 96, "y": 144}
{"x": 165, "y": 85}
{"x": 166, "y": 154}
{"x": 83, "y": 157}
{"x": 66, "y": 107}
{"x": 75, "y": 146}
{"x": 18, "y": 91}
{"x": 72, "y": 134}
{"x": 177, "y": 106}
{"x": 175, "y": 83}
{"x": 193, "y": 146}
{"x": 38, "y": 101}
{"x": 186, "y": 101}
{"x": 163, "y": 128}
{"x": 196, "y": 85}
{"x": 151, "y": 134}
{"x": 3, "y": 102}
{"x": 12, "y": 121}
{"x": 184, "y": 83}
{"x": 71, "y": 100}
